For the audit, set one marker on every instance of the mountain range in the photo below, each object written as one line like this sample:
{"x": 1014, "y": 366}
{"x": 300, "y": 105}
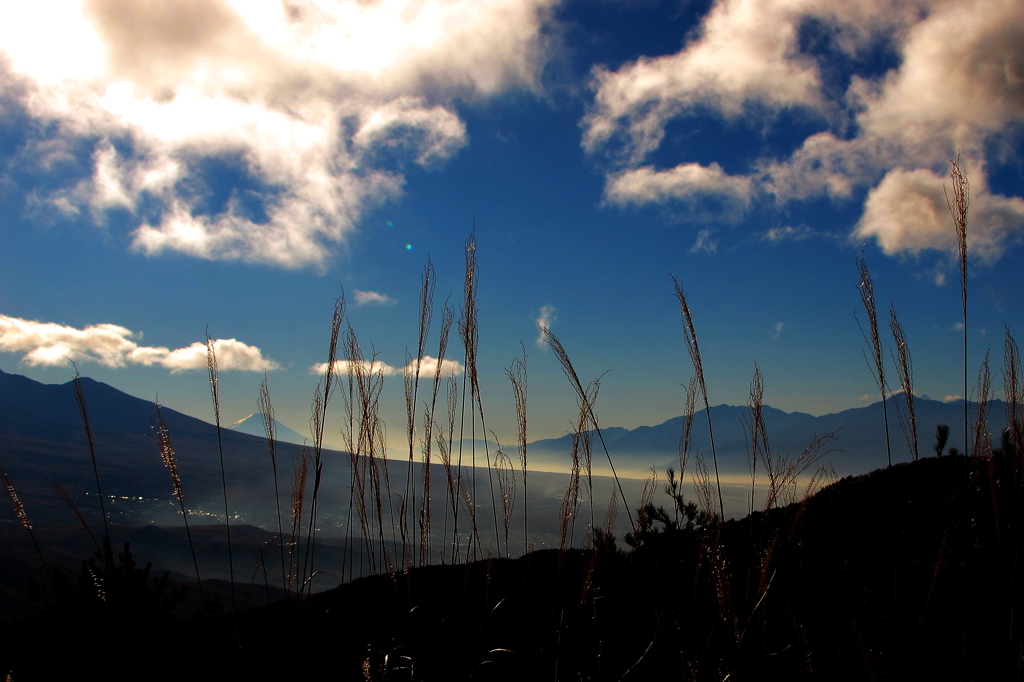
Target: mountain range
{"x": 857, "y": 445}
{"x": 42, "y": 439}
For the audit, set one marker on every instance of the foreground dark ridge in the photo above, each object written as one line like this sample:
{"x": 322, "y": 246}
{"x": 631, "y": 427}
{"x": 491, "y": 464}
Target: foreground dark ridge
{"x": 865, "y": 580}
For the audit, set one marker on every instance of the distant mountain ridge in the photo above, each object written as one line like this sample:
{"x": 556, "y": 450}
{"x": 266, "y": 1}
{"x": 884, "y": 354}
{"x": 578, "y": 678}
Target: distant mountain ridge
{"x": 42, "y": 438}
{"x": 858, "y": 445}
{"x": 40, "y": 426}
{"x": 253, "y": 425}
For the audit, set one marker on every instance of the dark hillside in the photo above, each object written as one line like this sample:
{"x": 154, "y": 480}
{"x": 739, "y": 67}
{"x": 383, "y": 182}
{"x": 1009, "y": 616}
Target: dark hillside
{"x": 906, "y": 573}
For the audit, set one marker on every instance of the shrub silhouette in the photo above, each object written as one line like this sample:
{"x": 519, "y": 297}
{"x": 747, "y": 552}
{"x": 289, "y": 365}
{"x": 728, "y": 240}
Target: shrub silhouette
{"x": 685, "y": 516}
{"x": 112, "y": 610}
{"x": 109, "y": 589}
{"x": 941, "y": 438}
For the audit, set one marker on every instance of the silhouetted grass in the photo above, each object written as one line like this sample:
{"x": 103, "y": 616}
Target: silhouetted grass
{"x": 797, "y": 590}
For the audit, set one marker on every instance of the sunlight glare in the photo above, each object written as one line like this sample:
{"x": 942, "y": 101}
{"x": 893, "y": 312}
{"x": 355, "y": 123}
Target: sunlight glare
{"x": 70, "y": 48}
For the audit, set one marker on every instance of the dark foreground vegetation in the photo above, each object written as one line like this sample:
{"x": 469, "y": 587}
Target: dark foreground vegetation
{"x": 906, "y": 573}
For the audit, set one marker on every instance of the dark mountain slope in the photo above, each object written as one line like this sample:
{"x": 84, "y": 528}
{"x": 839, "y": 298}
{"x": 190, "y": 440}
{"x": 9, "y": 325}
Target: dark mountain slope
{"x": 906, "y": 573}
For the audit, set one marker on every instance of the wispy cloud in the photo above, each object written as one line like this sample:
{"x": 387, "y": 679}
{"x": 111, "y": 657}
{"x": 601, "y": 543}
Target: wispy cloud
{"x": 46, "y": 344}
{"x": 775, "y": 331}
{"x": 373, "y": 298}
{"x": 547, "y": 316}
{"x": 319, "y": 105}
{"x": 704, "y": 242}
{"x": 745, "y": 61}
{"x": 788, "y": 233}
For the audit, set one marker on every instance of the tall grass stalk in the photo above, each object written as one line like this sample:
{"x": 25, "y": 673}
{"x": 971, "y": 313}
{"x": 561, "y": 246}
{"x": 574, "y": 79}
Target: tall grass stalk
{"x": 412, "y": 385}
{"x": 702, "y": 486}
{"x": 211, "y": 367}
{"x": 1013, "y": 390}
{"x": 876, "y": 365}
{"x": 690, "y": 336}
{"x": 80, "y": 399}
{"x": 298, "y": 498}
{"x": 261, "y": 562}
{"x": 19, "y": 510}
{"x": 63, "y": 495}
{"x": 266, "y": 409}
{"x": 369, "y": 450}
{"x": 586, "y": 409}
{"x": 788, "y": 470}
{"x": 570, "y": 500}
{"x": 505, "y": 473}
{"x": 982, "y": 437}
{"x": 357, "y": 464}
{"x": 444, "y": 444}
{"x": 517, "y": 375}
{"x": 469, "y": 330}
{"x": 318, "y": 419}
{"x": 759, "y": 447}
{"x": 689, "y": 407}
{"x": 958, "y": 207}
{"x": 163, "y": 439}
{"x": 905, "y": 371}
{"x": 447, "y": 318}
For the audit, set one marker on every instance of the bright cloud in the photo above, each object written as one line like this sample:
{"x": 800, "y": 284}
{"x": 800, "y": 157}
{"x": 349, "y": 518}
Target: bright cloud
{"x": 746, "y": 52}
{"x": 775, "y": 331}
{"x": 373, "y": 298}
{"x": 959, "y": 87}
{"x": 907, "y": 213}
{"x": 50, "y": 344}
{"x": 428, "y": 368}
{"x": 354, "y": 367}
{"x": 685, "y": 182}
{"x": 317, "y": 103}
{"x": 547, "y": 316}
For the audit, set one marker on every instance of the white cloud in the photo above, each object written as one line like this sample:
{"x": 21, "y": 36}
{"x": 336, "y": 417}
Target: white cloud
{"x": 353, "y": 367}
{"x": 319, "y": 103}
{"x": 704, "y": 242}
{"x": 547, "y": 316}
{"x": 428, "y": 367}
{"x": 775, "y": 331}
{"x": 952, "y": 398}
{"x": 373, "y": 298}
{"x": 907, "y": 213}
{"x": 685, "y": 182}
{"x": 958, "y": 87}
{"x": 745, "y": 51}
{"x": 50, "y": 344}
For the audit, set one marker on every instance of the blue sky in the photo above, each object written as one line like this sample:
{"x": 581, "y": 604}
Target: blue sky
{"x": 167, "y": 168}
